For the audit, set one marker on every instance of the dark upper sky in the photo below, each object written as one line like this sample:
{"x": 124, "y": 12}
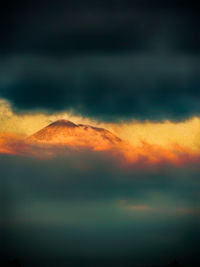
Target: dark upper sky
{"x": 106, "y": 59}
{"x": 98, "y": 26}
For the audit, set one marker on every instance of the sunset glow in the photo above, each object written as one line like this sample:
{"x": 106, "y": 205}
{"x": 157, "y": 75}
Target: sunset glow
{"x": 148, "y": 142}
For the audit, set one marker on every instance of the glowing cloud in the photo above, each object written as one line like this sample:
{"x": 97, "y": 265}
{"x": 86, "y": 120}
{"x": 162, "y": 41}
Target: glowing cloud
{"x": 135, "y": 142}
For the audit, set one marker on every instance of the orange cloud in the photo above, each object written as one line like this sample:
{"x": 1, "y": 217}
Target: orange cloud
{"x": 10, "y": 144}
{"x": 142, "y": 155}
{"x": 135, "y": 143}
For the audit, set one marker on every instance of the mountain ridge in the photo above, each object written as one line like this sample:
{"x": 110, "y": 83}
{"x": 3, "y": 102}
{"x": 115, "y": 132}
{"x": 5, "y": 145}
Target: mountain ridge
{"x": 65, "y": 132}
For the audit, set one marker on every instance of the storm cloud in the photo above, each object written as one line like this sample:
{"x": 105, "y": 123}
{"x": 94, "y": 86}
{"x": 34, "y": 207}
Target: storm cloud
{"x": 107, "y": 87}
{"x": 108, "y": 60}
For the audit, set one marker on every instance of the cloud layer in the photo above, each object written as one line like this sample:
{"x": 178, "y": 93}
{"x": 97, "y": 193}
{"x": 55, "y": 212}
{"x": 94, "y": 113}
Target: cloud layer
{"x": 86, "y": 205}
{"x": 108, "y": 88}
{"x": 111, "y": 61}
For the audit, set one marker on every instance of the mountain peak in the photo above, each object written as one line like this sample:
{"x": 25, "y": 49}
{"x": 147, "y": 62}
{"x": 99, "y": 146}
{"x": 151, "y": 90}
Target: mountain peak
{"x": 65, "y": 132}
{"x": 62, "y": 123}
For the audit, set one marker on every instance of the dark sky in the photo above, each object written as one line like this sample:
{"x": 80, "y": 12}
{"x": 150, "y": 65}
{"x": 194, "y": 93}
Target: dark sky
{"x": 109, "y": 60}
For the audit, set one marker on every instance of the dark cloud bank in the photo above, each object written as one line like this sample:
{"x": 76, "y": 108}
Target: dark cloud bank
{"x": 106, "y": 59}
{"x": 75, "y": 210}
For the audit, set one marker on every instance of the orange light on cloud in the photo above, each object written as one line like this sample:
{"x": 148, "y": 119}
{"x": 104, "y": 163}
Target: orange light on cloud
{"x": 141, "y": 142}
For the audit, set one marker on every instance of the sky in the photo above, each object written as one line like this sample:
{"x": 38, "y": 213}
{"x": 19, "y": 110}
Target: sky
{"x": 131, "y": 68}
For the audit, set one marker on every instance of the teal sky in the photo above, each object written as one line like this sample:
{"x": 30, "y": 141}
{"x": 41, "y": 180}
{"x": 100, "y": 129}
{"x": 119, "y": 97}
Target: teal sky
{"x": 55, "y": 211}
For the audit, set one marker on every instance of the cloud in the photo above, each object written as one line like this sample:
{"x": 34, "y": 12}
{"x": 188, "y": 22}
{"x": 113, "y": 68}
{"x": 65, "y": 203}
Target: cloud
{"x": 174, "y": 209}
{"x": 50, "y": 205}
{"x": 87, "y": 174}
{"x": 165, "y": 134}
{"x": 109, "y": 61}
{"x": 139, "y": 143}
{"x": 108, "y": 88}
{"x": 123, "y": 153}
{"x": 135, "y": 208}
